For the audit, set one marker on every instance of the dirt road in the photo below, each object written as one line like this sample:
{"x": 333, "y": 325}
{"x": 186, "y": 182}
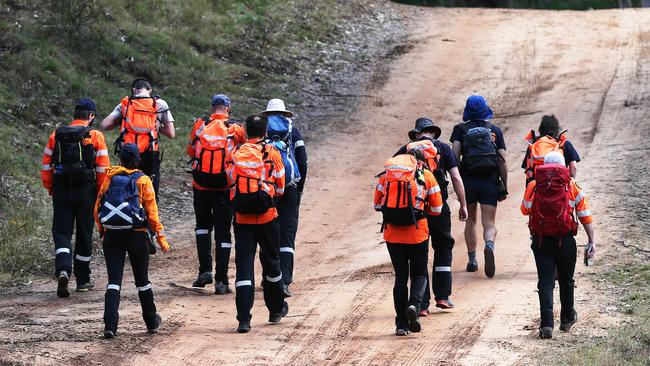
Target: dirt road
{"x": 580, "y": 66}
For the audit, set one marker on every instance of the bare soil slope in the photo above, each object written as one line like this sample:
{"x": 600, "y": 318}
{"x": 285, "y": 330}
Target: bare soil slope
{"x": 581, "y": 66}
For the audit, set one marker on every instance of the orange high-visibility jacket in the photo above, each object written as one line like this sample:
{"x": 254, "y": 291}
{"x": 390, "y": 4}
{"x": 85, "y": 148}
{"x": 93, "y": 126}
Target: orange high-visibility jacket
{"x": 577, "y": 200}
{"x": 236, "y": 134}
{"x": 101, "y": 157}
{"x": 147, "y": 199}
{"x": 274, "y": 187}
{"x": 432, "y": 207}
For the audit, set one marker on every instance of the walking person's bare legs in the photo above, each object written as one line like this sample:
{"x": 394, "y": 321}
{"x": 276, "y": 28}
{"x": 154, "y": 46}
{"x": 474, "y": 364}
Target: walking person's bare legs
{"x": 488, "y": 219}
{"x": 470, "y": 236}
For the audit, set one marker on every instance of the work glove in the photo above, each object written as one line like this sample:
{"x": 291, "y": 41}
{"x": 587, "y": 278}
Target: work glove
{"x": 162, "y": 242}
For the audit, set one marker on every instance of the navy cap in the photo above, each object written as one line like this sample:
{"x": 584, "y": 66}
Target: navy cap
{"x": 476, "y": 108}
{"x": 129, "y": 153}
{"x": 422, "y": 124}
{"x": 86, "y": 104}
{"x": 220, "y": 99}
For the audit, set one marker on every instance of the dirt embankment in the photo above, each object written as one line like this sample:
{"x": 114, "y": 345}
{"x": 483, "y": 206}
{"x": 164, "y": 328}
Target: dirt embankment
{"x": 580, "y": 66}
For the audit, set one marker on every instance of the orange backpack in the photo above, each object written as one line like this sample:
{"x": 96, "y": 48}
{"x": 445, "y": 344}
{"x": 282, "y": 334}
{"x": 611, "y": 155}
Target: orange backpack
{"x": 212, "y": 150}
{"x": 538, "y": 147}
{"x": 251, "y": 171}
{"x": 139, "y": 117}
{"x": 431, "y": 156}
{"x": 404, "y": 193}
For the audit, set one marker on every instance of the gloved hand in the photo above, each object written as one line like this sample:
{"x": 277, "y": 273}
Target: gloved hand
{"x": 162, "y": 242}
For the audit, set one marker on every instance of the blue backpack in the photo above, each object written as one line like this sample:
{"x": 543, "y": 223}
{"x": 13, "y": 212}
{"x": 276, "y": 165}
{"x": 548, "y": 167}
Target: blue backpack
{"x": 121, "y": 208}
{"x": 279, "y": 135}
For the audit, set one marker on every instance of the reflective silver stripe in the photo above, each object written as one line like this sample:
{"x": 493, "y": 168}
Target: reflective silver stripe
{"x": 198, "y": 132}
{"x": 202, "y": 231}
{"x": 46, "y": 167}
{"x": 400, "y": 167}
{"x": 144, "y": 288}
{"x": 47, "y": 151}
{"x": 110, "y": 286}
{"x": 118, "y": 227}
{"x": 433, "y": 190}
{"x": 102, "y": 152}
{"x": 279, "y": 190}
{"x": 100, "y": 169}
{"x": 299, "y": 143}
{"x": 212, "y": 138}
{"x": 62, "y": 250}
{"x": 274, "y": 279}
{"x": 243, "y": 283}
{"x": 248, "y": 164}
{"x": 380, "y": 188}
{"x": 279, "y": 174}
{"x": 527, "y": 204}
{"x": 584, "y": 213}
{"x": 286, "y": 250}
{"x": 377, "y": 207}
{"x": 82, "y": 258}
{"x": 443, "y": 269}
{"x": 437, "y": 209}
{"x": 226, "y": 245}
{"x": 579, "y": 198}
{"x": 141, "y": 129}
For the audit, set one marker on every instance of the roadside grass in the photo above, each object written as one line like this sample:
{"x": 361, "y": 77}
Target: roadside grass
{"x": 53, "y": 52}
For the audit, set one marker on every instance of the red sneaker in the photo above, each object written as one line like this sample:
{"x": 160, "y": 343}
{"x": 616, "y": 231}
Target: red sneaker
{"x": 444, "y": 304}
{"x": 424, "y": 313}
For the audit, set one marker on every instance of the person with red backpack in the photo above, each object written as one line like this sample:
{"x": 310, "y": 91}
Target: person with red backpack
{"x": 125, "y": 208}
{"x": 72, "y": 170}
{"x": 481, "y": 149}
{"x": 405, "y": 195}
{"x": 551, "y": 201}
{"x": 142, "y": 117}
{"x": 257, "y": 177}
{"x": 440, "y": 160}
{"x": 211, "y": 143}
{"x": 549, "y": 139}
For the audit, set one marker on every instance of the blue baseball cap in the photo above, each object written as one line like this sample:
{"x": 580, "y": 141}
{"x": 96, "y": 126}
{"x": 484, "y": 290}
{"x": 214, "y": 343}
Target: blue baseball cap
{"x": 129, "y": 153}
{"x": 476, "y": 108}
{"x": 220, "y": 99}
{"x": 86, "y": 104}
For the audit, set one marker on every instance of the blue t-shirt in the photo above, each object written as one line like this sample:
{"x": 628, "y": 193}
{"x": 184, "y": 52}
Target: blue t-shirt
{"x": 570, "y": 154}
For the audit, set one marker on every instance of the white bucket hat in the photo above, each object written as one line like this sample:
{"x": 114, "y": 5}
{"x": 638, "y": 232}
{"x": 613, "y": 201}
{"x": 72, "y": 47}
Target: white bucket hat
{"x": 554, "y": 157}
{"x": 277, "y": 106}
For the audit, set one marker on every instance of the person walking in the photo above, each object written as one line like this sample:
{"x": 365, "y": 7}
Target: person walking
{"x": 210, "y": 146}
{"x": 481, "y": 149}
{"x": 72, "y": 169}
{"x": 142, "y": 117}
{"x": 550, "y": 202}
{"x": 287, "y": 138}
{"x": 405, "y": 194}
{"x": 126, "y": 204}
{"x": 443, "y": 162}
{"x": 257, "y": 177}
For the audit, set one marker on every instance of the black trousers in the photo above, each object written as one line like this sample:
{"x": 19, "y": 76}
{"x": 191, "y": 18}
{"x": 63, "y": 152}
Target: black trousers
{"x": 150, "y": 165}
{"x": 246, "y": 239}
{"x": 213, "y": 211}
{"x": 408, "y": 259}
{"x": 288, "y": 206}
{"x": 116, "y": 245}
{"x": 73, "y": 213}
{"x": 443, "y": 245}
{"x": 551, "y": 254}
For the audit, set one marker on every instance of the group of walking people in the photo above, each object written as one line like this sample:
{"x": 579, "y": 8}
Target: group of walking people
{"x": 250, "y": 178}
{"x": 412, "y": 195}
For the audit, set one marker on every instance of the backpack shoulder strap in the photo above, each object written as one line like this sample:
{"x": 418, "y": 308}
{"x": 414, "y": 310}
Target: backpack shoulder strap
{"x": 464, "y": 127}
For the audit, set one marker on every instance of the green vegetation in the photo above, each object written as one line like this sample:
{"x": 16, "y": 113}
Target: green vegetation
{"x": 522, "y": 4}
{"x": 55, "y": 51}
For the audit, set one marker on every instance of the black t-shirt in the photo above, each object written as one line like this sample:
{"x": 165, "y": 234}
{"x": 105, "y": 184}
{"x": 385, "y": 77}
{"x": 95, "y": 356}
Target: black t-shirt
{"x": 570, "y": 154}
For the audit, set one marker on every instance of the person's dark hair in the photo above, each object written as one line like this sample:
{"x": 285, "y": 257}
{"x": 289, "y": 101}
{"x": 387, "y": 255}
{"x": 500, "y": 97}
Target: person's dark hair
{"x": 141, "y": 84}
{"x": 549, "y": 126}
{"x": 129, "y": 164}
{"x": 256, "y": 125}
{"x": 81, "y": 114}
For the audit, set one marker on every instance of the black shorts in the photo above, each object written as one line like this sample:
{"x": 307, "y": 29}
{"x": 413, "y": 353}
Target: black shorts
{"x": 484, "y": 190}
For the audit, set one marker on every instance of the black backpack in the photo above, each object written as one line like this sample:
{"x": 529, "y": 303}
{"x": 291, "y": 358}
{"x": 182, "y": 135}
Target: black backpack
{"x": 120, "y": 206}
{"x": 479, "y": 150}
{"x": 72, "y": 160}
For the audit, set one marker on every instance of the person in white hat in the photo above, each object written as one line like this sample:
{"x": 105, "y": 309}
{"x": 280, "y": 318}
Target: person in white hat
{"x": 285, "y": 136}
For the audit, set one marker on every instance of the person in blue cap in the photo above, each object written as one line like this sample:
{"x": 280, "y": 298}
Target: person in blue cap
{"x": 481, "y": 149}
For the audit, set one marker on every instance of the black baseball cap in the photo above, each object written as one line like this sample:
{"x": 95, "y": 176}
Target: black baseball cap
{"x": 422, "y": 124}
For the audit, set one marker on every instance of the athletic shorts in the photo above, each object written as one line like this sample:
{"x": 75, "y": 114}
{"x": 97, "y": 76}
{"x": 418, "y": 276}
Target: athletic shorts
{"x": 482, "y": 190}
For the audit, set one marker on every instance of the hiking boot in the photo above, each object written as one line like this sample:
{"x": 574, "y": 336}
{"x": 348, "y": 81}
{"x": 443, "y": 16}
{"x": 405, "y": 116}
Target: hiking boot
{"x": 286, "y": 291}
{"x": 157, "y": 323}
{"x": 444, "y": 304}
{"x": 412, "y": 316}
{"x": 401, "y": 332}
{"x": 204, "y": 278}
{"x": 109, "y": 334}
{"x": 472, "y": 267}
{"x": 275, "y": 318}
{"x": 423, "y": 313}
{"x": 546, "y": 333}
{"x": 285, "y": 309}
{"x": 62, "y": 285}
{"x": 565, "y": 327}
{"x": 85, "y": 287}
{"x": 221, "y": 288}
{"x": 244, "y": 326}
{"x": 490, "y": 267}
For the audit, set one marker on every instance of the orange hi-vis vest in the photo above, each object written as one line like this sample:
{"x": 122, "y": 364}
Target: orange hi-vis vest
{"x": 139, "y": 123}
{"x": 538, "y": 147}
{"x": 431, "y": 156}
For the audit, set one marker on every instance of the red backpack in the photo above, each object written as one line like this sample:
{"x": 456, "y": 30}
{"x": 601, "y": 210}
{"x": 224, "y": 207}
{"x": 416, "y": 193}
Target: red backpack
{"x": 551, "y": 213}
